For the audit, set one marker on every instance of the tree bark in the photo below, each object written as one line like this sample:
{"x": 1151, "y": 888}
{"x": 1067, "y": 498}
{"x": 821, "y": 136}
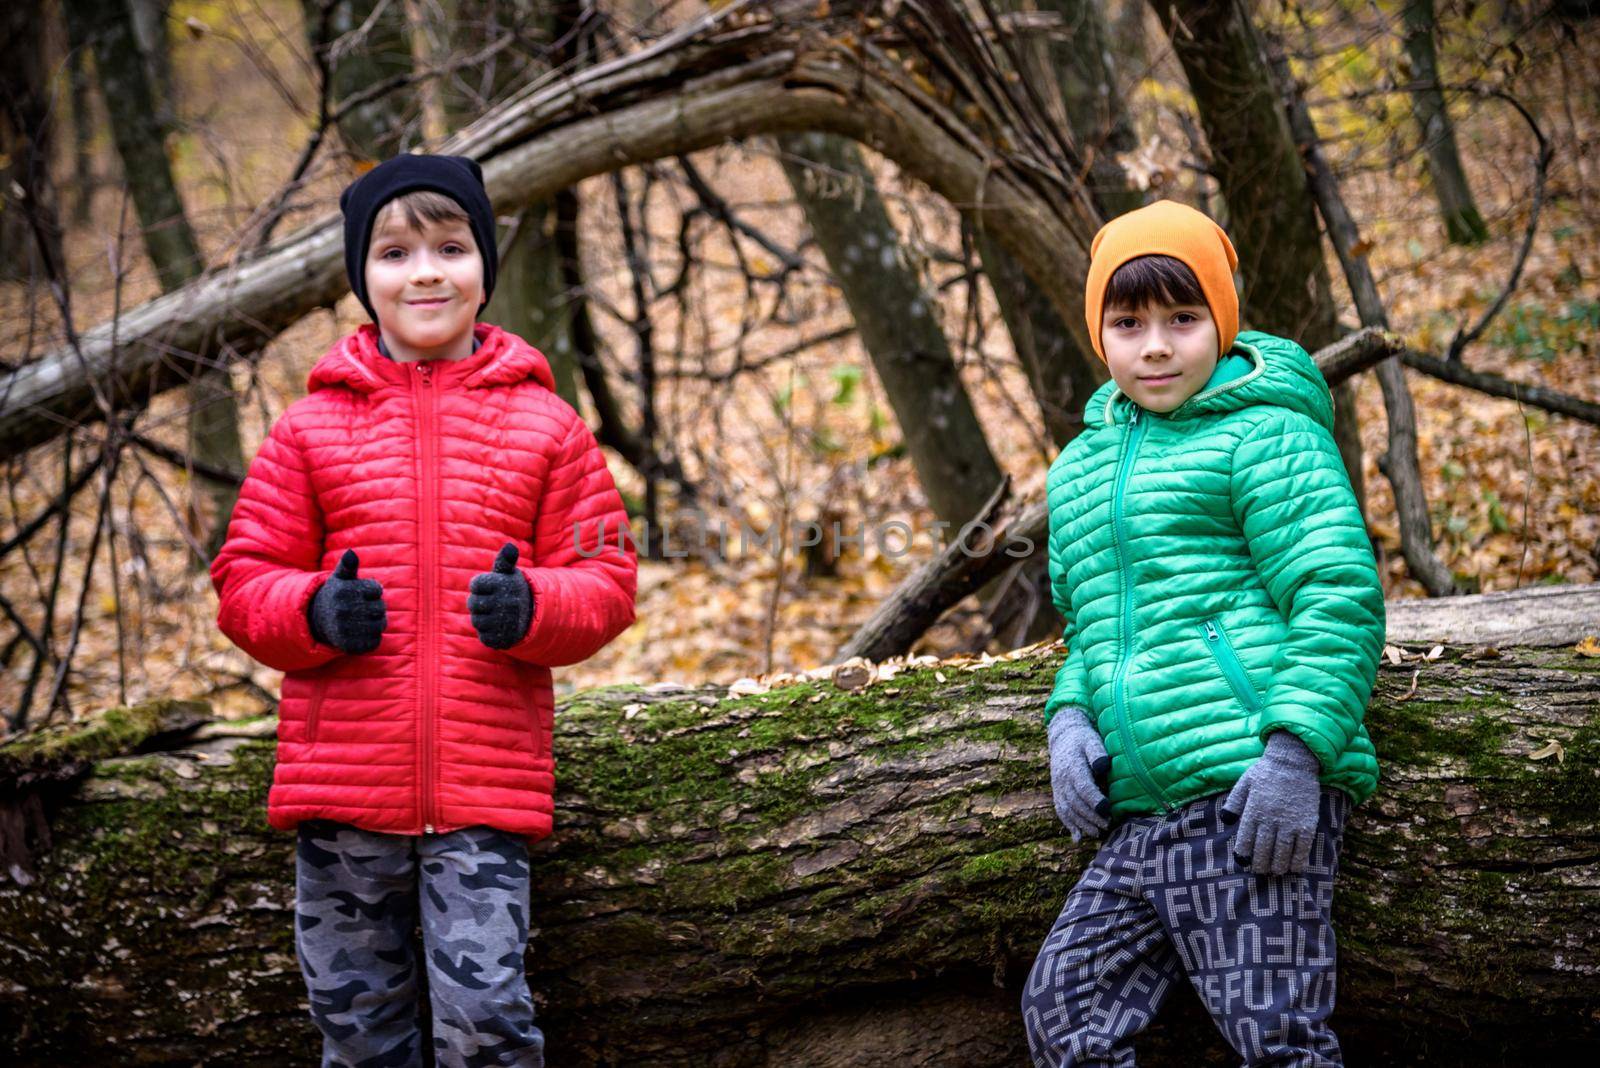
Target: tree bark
{"x": 735, "y": 72}
{"x": 1462, "y": 222}
{"x": 896, "y": 320}
{"x": 1069, "y": 55}
{"x": 1271, "y": 217}
{"x": 30, "y": 223}
{"x": 530, "y": 298}
{"x": 1079, "y": 59}
{"x": 835, "y": 878}
{"x": 362, "y": 45}
{"x": 1061, "y": 374}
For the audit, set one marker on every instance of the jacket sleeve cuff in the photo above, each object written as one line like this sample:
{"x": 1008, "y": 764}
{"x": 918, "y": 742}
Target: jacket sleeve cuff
{"x": 575, "y": 614}
{"x": 1321, "y": 746}
{"x": 297, "y": 642}
{"x": 1066, "y": 711}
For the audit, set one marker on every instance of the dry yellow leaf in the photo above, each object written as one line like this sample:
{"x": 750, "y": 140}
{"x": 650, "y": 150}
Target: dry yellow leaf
{"x": 1552, "y": 748}
{"x": 1590, "y": 646}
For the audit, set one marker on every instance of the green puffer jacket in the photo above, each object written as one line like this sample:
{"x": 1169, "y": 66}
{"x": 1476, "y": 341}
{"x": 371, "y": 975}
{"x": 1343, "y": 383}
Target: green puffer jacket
{"x": 1217, "y": 582}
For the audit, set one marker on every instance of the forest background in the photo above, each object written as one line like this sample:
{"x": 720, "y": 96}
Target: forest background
{"x": 720, "y": 331}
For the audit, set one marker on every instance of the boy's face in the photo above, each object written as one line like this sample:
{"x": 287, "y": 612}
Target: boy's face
{"x": 1161, "y": 354}
{"x": 426, "y": 286}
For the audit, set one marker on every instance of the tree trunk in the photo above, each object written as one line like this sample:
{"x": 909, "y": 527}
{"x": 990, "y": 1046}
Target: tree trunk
{"x": 369, "y": 46}
{"x": 897, "y": 322}
{"x": 837, "y": 878}
{"x": 85, "y": 180}
{"x": 1062, "y": 375}
{"x": 1069, "y": 55}
{"x": 1271, "y": 217}
{"x": 30, "y": 224}
{"x": 530, "y": 299}
{"x": 1127, "y": 34}
{"x": 735, "y": 72}
{"x": 1462, "y": 223}
{"x": 1080, "y": 58}
{"x": 140, "y": 133}
{"x": 148, "y": 20}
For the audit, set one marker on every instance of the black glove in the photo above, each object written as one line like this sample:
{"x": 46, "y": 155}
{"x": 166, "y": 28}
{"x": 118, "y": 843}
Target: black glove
{"x": 348, "y": 613}
{"x": 501, "y": 601}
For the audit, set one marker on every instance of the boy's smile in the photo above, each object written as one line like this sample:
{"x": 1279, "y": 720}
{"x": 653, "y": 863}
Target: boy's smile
{"x": 1161, "y": 354}
{"x": 426, "y": 286}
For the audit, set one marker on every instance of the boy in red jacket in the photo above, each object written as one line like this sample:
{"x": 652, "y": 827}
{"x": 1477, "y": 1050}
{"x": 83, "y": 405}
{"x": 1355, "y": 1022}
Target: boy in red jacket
{"x": 419, "y": 541}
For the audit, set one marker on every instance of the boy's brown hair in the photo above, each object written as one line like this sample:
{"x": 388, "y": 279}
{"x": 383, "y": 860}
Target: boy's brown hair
{"x": 422, "y": 205}
{"x": 1153, "y": 280}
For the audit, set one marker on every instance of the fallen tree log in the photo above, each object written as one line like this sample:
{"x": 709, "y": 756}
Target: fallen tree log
{"x": 828, "y": 877}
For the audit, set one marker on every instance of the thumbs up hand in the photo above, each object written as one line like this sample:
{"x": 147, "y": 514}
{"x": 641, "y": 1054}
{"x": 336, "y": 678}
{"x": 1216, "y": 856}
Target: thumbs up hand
{"x": 348, "y": 613}
{"x": 501, "y": 602}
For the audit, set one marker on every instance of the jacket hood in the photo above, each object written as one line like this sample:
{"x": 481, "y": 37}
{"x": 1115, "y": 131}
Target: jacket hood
{"x": 502, "y": 358}
{"x": 1280, "y": 373}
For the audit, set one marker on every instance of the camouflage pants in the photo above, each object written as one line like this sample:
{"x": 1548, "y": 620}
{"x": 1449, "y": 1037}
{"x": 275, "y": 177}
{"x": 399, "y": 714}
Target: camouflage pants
{"x": 356, "y": 906}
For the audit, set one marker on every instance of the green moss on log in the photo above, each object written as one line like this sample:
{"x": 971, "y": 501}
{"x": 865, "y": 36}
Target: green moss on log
{"x": 109, "y": 733}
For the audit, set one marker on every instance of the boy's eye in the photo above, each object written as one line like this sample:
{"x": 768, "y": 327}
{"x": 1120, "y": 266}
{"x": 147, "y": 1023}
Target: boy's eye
{"x": 453, "y": 248}
{"x": 1125, "y": 323}
{"x": 1184, "y": 317}
{"x": 391, "y": 253}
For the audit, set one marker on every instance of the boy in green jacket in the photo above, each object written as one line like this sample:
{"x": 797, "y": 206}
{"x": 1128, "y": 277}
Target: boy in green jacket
{"x": 1224, "y": 620}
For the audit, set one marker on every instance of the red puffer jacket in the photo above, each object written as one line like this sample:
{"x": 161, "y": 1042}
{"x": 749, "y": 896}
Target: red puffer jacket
{"x": 425, "y": 470}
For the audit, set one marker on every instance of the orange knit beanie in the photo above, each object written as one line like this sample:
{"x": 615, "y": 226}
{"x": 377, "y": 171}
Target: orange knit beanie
{"x": 1166, "y": 228}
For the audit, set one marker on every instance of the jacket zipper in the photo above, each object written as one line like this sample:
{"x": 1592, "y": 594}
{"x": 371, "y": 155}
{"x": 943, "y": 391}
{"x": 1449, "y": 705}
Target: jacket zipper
{"x": 425, "y": 401}
{"x": 1136, "y": 432}
{"x": 1232, "y": 667}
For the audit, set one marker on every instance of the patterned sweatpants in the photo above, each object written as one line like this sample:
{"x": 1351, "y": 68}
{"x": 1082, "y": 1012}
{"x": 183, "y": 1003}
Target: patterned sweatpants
{"x": 1163, "y": 900}
{"x": 356, "y": 906}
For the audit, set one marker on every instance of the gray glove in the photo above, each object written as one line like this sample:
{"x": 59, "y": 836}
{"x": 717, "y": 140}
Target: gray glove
{"x": 1275, "y": 803}
{"x": 1078, "y": 766}
{"x": 348, "y": 613}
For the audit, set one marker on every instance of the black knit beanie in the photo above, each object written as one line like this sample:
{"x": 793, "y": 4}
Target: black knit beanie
{"x": 457, "y": 177}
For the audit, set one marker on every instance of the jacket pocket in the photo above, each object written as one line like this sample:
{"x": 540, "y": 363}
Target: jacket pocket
{"x": 530, "y": 702}
{"x": 319, "y": 689}
{"x": 1221, "y": 650}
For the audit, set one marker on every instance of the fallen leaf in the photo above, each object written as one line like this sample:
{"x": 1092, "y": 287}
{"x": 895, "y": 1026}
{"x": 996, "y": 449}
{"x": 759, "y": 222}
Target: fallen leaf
{"x": 853, "y": 674}
{"x": 1394, "y": 654}
{"x": 1590, "y": 646}
{"x": 1552, "y": 748}
{"x": 1409, "y": 694}
{"x": 1434, "y": 653}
